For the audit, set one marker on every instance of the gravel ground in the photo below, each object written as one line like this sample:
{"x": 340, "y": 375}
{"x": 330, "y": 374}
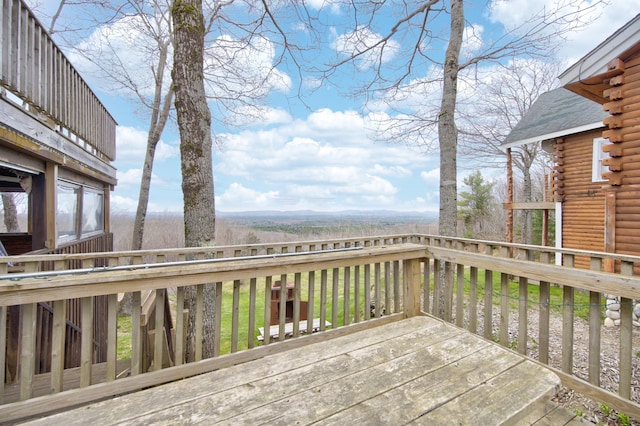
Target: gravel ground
{"x": 610, "y": 343}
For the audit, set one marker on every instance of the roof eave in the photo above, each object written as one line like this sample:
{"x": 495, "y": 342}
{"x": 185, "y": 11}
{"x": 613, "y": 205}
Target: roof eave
{"x": 553, "y": 135}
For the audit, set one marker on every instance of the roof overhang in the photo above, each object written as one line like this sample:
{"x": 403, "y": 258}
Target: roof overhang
{"x": 553, "y": 135}
{"x": 586, "y": 76}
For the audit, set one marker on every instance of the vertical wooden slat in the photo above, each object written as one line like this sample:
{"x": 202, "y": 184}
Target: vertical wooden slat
{"x": 378, "y": 289}
{"x": 488, "y": 304}
{"x": 297, "y": 285}
{"x": 28, "y": 350}
{"x": 626, "y": 338}
{"x": 112, "y": 336}
{"x": 323, "y": 299}
{"x": 311, "y": 301}
{"x": 426, "y": 286}
{"x": 367, "y": 291}
{"x": 180, "y": 327}
{"x": 335, "y": 296}
{"x": 387, "y": 287}
{"x": 136, "y": 333}
{"x": 251, "y": 328}
{"x": 235, "y": 316}
{"x": 346, "y": 297}
{"x": 504, "y": 309}
{"x": 3, "y": 339}
{"x": 158, "y": 341}
{"x": 199, "y": 322}
{"x": 86, "y": 351}
{"x": 356, "y": 294}
{"x": 267, "y": 309}
{"x": 594, "y": 328}
{"x": 282, "y": 307}
{"x": 396, "y": 286}
{"x": 567, "y": 321}
{"x": 437, "y": 287}
{"x": 460, "y": 295}
{"x": 58, "y": 344}
{"x": 544, "y": 314}
{"x": 523, "y": 296}
{"x": 473, "y": 299}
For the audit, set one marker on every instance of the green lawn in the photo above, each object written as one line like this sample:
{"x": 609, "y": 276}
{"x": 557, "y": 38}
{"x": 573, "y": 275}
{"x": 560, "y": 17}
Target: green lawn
{"x": 335, "y": 294}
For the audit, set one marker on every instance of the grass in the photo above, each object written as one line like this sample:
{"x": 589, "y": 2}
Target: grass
{"x": 335, "y": 294}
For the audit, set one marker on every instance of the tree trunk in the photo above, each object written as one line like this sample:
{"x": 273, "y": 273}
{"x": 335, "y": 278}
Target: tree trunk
{"x": 10, "y": 213}
{"x": 194, "y": 122}
{"x": 448, "y": 139}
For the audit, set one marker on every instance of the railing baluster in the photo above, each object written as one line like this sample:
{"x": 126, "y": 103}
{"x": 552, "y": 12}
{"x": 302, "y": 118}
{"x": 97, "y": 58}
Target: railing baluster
{"x": 181, "y": 322}
{"x": 267, "y": 310}
{"x": 567, "y": 321}
{"x": 297, "y": 286}
{"x": 311, "y": 292}
{"x": 158, "y": 344}
{"x": 367, "y": 292}
{"x": 378, "y": 290}
{"x": 28, "y": 351}
{"x": 335, "y": 296}
{"x": 544, "y": 314}
{"x": 282, "y": 309}
{"x": 112, "y": 336}
{"x": 460, "y": 295}
{"x": 346, "y": 297}
{"x": 626, "y": 337}
{"x": 595, "y": 310}
{"x": 387, "y": 287}
{"x": 58, "y": 344}
{"x": 323, "y": 299}
{"x": 488, "y": 304}
{"x": 235, "y": 316}
{"x": 523, "y": 314}
{"x": 199, "y": 322}
{"x": 217, "y": 316}
{"x": 3, "y": 350}
{"x": 136, "y": 333}
{"x": 396, "y": 286}
{"x": 86, "y": 352}
{"x": 504, "y": 309}
{"x": 356, "y": 294}
{"x": 437, "y": 286}
{"x": 251, "y": 327}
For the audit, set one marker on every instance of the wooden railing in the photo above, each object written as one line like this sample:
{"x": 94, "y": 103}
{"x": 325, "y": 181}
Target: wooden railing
{"x": 33, "y": 68}
{"x": 344, "y": 282}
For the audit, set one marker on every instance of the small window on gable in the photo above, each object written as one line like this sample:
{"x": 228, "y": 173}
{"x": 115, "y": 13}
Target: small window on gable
{"x": 598, "y": 155}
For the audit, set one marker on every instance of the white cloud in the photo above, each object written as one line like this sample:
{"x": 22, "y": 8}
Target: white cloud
{"x": 471, "y": 41}
{"x": 431, "y": 176}
{"x": 131, "y": 146}
{"x": 603, "y": 19}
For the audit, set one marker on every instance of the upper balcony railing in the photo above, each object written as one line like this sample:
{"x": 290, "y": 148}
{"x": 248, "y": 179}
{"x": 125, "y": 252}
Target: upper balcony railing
{"x": 35, "y": 70}
{"x": 490, "y": 288}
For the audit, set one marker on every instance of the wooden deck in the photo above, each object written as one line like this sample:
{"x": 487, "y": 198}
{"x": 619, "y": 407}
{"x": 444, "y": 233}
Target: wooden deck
{"x": 419, "y": 370}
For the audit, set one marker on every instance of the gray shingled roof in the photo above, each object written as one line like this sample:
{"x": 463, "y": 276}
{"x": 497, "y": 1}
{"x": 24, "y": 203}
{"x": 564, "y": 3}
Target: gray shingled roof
{"x": 555, "y": 114}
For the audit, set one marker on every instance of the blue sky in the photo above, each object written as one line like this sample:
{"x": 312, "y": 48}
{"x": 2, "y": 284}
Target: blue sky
{"x": 320, "y": 154}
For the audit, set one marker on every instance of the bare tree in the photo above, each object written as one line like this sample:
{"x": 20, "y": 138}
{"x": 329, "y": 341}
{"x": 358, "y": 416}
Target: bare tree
{"x": 503, "y": 100}
{"x": 194, "y": 121}
{"x": 417, "y": 71}
{"x": 10, "y": 213}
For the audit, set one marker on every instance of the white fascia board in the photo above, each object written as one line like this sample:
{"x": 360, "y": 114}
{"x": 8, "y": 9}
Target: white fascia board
{"x": 553, "y": 135}
{"x": 596, "y": 61}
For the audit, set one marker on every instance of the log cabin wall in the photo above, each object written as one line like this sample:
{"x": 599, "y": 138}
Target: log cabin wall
{"x": 582, "y": 199}
{"x": 624, "y": 165}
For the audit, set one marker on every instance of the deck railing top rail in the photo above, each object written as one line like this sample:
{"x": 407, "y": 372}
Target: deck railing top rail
{"x": 34, "y": 69}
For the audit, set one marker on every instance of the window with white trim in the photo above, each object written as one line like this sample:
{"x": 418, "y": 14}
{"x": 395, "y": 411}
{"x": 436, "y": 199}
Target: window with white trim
{"x": 80, "y": 211}
{"x": 598, "y": 155}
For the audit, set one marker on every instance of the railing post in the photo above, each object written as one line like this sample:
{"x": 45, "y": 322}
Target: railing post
{"x": 411, "y": 284}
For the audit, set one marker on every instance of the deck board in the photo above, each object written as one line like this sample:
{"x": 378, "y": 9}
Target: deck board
{"x": 419, "y": 369}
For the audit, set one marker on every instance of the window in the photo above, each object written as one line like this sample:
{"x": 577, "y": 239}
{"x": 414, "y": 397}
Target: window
{"x": 80, "y": 211}
{"x": 92, "y": 211}
{"x": 598, "y": 155}
{"x": 67, "y": 211}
